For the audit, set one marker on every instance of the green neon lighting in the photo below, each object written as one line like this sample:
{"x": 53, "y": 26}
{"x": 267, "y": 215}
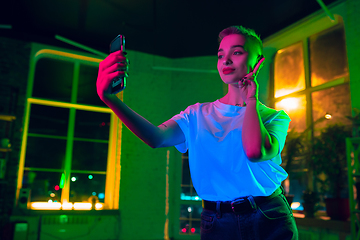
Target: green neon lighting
{"x": 62, "y": 181}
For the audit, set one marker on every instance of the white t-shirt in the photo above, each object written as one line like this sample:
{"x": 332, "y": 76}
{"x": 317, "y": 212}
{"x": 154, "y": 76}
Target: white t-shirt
{"x": 220, "y": 169}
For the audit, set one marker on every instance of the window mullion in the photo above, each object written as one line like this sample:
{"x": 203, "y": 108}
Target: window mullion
{"x": 309, "y": 114}
{"x": 70, "y": 136}
{"x": 307, "y": 82}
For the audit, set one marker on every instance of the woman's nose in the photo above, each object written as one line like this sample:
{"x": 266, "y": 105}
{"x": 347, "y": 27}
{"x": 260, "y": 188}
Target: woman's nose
{"x": 227, "y": 61}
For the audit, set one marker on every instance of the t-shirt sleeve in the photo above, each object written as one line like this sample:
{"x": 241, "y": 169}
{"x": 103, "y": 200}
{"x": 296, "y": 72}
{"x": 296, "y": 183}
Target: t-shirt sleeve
{"x": 277, "y": 125}
{"x": 183, "y": 120}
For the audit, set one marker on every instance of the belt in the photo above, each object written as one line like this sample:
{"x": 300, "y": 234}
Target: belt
{"x": 241, "y": 205}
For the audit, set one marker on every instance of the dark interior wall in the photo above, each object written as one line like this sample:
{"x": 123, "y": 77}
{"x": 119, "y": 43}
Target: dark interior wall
{"x": 14, "y": 66}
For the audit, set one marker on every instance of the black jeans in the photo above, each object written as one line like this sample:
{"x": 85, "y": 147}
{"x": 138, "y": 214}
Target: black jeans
{"x": 272, "y": 219}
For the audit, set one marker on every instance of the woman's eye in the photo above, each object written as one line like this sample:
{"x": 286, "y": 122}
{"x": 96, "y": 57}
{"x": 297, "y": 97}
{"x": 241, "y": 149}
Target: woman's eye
{"x": 220, "y": 57}
{"x": 237, "y": 53}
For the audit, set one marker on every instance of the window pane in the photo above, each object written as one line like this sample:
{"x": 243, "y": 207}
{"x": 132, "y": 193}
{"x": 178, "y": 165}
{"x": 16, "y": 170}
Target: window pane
{"x": 289, "y": 74}
{"x": 195, "y": 227}
{"x": 184, "y": 227}
{"x": 89, "y": 156}
{"x": 189, "y": 228}
{"x": 190, "y": 215}
{"x": 185, "y": 171}
{"x": 83, "y": 186}
{"x": 48, "y": 120}
{"x": 93, "y": 125}
{"x": 296, "y": 109}
{"x": 334, "y": 101}
{"x": 328, "y": 56}
{"x": 87, "y": 86}
{"x": 45, "y": 152}
{"x": 43, "y": 185}
{"x": 53, "y": 79}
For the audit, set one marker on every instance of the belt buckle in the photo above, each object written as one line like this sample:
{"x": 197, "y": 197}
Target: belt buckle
{"x": 237, "y": 202}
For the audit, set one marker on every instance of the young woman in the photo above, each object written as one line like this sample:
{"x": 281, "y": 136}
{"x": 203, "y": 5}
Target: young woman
{"x": 234, "y": 144}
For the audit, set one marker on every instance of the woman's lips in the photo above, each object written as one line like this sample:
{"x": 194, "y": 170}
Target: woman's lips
{"x": 228, "y": 70}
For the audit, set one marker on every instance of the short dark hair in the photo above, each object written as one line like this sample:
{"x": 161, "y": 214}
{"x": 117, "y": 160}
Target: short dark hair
{"x": 248, "y": 33}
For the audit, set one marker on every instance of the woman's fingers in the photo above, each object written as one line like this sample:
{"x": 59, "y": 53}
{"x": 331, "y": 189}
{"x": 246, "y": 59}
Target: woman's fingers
{"x": 113, "y": 66}
{"x": 117, "y": 67}
{"x": 247, "y": 79}
{"x": 113, "y": 58}
{"x": 256, "y": 68}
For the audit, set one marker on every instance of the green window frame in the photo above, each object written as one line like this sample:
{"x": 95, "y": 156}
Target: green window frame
{"x": 110, "y": 174}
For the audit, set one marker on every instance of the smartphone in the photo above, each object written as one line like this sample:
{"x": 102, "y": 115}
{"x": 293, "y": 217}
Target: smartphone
{"x": 255, "y": 71}
{"x": 258, "y": 65}
{"x": 119, "y": 83}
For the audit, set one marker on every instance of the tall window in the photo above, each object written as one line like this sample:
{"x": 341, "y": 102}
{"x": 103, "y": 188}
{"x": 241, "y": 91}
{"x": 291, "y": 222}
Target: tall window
{"x": 190, "y": 203}
{"x": 311, "y": 82}
{"x": 68, "y": 153}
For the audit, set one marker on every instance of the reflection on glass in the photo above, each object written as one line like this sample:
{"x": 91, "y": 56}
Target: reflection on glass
{"x": 86, "y": 91}
{"x": 93, "y": 125}
{"x": 48, "y": 120}
{"x": 189, "y": 193}
{"x": 296, "y": 109}
{"x": 89, "y": 156}
{"x": 45, "y": 152}
{"x": 184, "y": 227}
{"x": 44, "y": 185}
{"x": 53, "y": 79}
{"x": 189, "y": 228}
{"x": 328, "y": 59}
{"x": 190, "y": 217}
{"x": 289, "y": 73}
{"x": 85, "y": 187}
{"x": 334, "y": 102}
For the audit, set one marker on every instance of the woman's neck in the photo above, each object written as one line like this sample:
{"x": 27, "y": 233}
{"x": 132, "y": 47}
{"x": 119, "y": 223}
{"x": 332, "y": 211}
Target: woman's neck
{"x": 233, "y": 97}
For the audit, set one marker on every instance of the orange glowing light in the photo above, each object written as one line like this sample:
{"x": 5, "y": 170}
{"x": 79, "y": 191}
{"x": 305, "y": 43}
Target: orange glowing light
{"x": 328, "y": 116}
{"x": 50, "y": 205}
{"x": 99, "y": 206}
{"x": 82, "y": 206}
{"x": 45, "y": 205}
{"x": 295, "y": 205}
{"x": 67, "y": 206}
{"x": 289, "y": 104}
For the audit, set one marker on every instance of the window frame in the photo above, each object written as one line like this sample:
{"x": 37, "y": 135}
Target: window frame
{"x": 302, "y": 32}
{"x": 189, "y": 235}
{"x": 112, "y": 185}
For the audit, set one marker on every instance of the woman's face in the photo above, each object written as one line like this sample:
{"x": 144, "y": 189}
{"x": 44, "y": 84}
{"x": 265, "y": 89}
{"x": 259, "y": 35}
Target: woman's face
{"x": 233, "y": 58}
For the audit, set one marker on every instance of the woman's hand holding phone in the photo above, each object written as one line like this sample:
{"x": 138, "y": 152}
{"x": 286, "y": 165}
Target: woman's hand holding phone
{"x": 248, "y": 85}
{"x": 114, "y": 65}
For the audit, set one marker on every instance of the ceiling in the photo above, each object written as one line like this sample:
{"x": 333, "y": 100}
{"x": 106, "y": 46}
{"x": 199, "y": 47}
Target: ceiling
{"x": 170, "y": 28}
